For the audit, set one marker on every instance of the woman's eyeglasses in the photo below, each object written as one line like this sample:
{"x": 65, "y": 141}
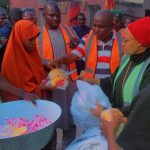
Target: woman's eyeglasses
{"x": 126, "y": 40}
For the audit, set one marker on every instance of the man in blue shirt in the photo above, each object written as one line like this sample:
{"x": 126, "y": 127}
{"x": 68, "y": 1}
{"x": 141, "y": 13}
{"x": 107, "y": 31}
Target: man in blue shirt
{"x": 4, "y": 33}
{"x": 81, "y": 29}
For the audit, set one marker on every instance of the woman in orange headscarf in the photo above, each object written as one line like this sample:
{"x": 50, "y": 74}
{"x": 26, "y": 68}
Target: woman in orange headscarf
{"x": 22, "y": 65}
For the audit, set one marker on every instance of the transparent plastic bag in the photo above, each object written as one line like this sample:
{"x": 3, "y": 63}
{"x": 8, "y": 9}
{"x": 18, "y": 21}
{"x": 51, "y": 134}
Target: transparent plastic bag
{"x": 83, "y": 101}
{"x": 92, "y": 139}
{"x": 58, "y": 78}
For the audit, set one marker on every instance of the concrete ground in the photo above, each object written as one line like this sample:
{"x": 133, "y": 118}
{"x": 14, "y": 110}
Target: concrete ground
{"x": 59, "y": 139}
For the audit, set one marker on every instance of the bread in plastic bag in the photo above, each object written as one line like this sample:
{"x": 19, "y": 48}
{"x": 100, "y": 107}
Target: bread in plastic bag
{"x": 84, "y": 100}
{"x": 58, "y": 78}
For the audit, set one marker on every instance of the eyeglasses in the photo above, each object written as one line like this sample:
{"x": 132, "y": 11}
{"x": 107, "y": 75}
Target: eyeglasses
{"x": 125, "y": 40}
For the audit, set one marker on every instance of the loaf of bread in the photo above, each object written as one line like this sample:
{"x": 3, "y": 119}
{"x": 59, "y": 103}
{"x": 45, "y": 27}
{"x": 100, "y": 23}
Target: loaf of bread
{"x": 111, "y": 114}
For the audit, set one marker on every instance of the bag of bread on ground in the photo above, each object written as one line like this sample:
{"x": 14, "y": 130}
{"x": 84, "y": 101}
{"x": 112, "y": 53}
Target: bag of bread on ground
{"x": 58, "y": 78}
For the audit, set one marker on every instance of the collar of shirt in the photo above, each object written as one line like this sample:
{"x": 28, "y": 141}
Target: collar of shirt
{"x": 109, "y": 42}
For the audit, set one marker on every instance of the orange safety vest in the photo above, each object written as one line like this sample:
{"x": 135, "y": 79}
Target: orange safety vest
{"x": 46, "y": 49}
{"x": 91, "y": 55}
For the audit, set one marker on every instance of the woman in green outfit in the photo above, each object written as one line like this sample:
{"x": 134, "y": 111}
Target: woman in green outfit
{"x": 130, "y": 90}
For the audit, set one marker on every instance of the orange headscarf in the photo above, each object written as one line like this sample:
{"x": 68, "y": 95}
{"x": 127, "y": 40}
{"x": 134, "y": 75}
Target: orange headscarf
{"x": 22, "y": 68}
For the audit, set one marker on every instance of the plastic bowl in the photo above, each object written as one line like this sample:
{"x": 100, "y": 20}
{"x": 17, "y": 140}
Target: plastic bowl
{"x": 32, "y": 141}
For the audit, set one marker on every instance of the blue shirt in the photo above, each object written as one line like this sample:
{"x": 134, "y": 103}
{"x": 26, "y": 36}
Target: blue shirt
{"x": 81, "y": 31}
{"x": 4, "y": 35}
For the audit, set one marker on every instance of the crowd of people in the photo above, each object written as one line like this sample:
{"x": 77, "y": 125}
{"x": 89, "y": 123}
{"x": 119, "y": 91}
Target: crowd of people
{"x": 111, "y": 54}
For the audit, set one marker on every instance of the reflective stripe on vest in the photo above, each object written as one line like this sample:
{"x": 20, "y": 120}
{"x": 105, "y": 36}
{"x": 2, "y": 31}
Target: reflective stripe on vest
{"x": 46, "y": 45}
{"x": 119, "y": 38}
{"x": 68, "y": 34}
{"x": 132, "y": 83}
{"x": 123, "y": 63}
{"x": 88, "y": 48}
{"x": 91, "y": 55}
{"x": 69, "y": 31}
{"x": 40, "y": 42}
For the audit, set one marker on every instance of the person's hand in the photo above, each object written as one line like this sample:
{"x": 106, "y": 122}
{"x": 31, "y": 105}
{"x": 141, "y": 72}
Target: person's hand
{"x": 73, "y": 42}
{"x": 117, "y": 114}
{"x": 45, "y": 85}
{"x": 89, "y": 80}
{"x": 30, "y": 97}
{"x": 46, "y": 64}
{"x": 56, "y": 63}
{"x": 109, "y": 127}
{"x": 96, "y": 112}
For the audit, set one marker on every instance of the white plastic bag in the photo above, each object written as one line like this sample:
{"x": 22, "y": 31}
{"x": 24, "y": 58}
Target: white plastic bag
{"x": 57, "y": 78}
{"x": 84, "y": 100}
{"x": 92, "y": 139}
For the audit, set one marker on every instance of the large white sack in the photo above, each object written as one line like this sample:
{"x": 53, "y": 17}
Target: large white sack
{"x": 92, "y": 139}
{"x": 84, "y": 100}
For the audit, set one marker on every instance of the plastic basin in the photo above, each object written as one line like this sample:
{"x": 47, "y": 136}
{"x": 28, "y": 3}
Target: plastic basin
{"x": 32, "y": 141}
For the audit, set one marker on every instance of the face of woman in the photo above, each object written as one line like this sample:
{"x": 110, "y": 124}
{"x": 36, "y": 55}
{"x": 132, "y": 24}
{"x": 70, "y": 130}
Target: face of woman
{"x": 30, "y": 44}
{"x": 130, "y": 44}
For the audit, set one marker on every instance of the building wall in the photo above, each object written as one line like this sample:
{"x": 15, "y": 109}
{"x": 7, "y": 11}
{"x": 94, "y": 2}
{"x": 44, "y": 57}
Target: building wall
{"x": 134, "y": 9}
{"x": 29, "y": 4}
{"x": 89, "y": 8}
{"x": 146, "y": 6}
{"x": 24, "y": 3}
{"x": 86, "y": 6}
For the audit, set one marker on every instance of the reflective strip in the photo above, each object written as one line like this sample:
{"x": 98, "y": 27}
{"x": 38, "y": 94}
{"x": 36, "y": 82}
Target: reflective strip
{"x": 88, "y": 69}
{"x": 67, "y": 30}
{"x": 119, "y": 39}
{"x": 40, "y": 42}
{"x": 76, "y": 53}
{"x": 71, "y": 72}
{"x": 125, "y": 59}
{"x": 88, "y": 48}
{"x": 140, "y": 76}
